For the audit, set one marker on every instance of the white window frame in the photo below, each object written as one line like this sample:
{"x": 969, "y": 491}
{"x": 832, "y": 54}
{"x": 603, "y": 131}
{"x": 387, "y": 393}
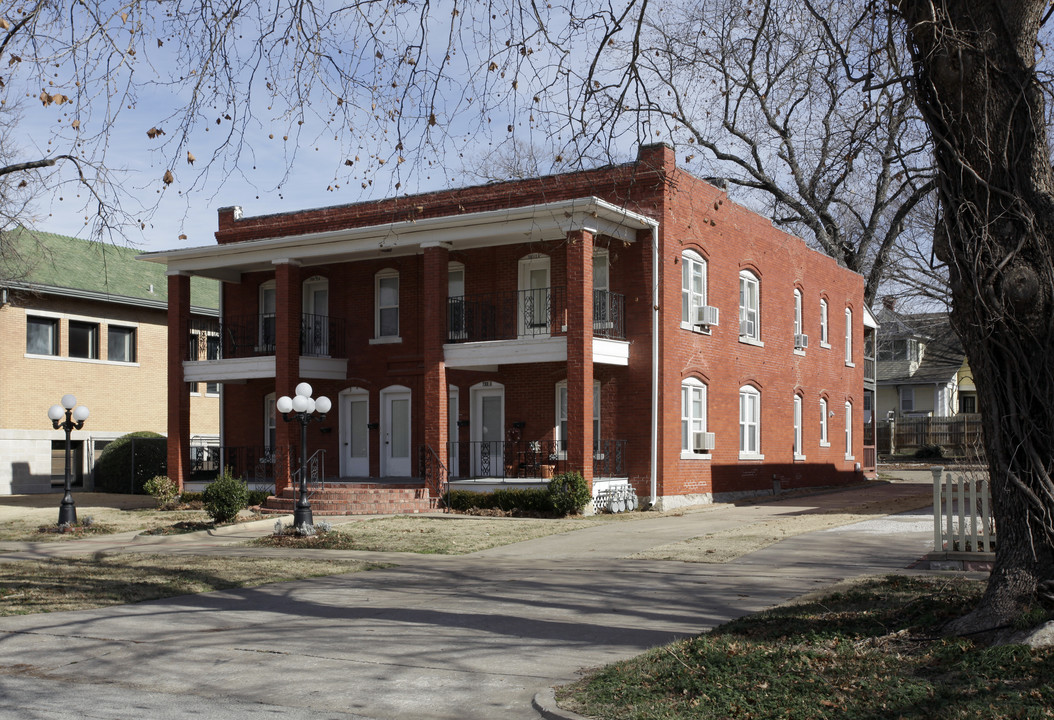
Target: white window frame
{"x": 799, "y": 448}
{"x": 378, "y": 338}
{"x": 849, "y": 337}
{"x": 692, "y": 388}
{"x": 824, "y": 414}
{"x": 560, "y": 429}
{"x": 750, "y": 423}
{"x": 268, "y": 288}
{"x": 693, "y": 265}
{"x": 798, "y": 324}
{"x": 749, "y": 308}
{"x": 849, "y": 430}
{"x": 824, "y": 337}
{"x": 270, "y": 423}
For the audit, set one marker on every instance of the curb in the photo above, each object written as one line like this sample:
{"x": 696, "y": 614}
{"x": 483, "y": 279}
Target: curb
{"x": 544, "y": 702}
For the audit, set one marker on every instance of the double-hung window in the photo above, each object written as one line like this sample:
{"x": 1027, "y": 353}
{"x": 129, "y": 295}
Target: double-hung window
{"x": 799, "y": 453}
{"x": 849, "y": 337}
{"x": 750, "y": 423}
{"x": 387, "y": 296}
{"x": 823, "y": 423}
{"x": 693, "y": 418}
{"x": 749, "y": 307}
{"x": 693, "y": 286}
{"x": 848, "y": 431}
{"x": 561, "y": 417}
{"x": 824, "y": 340}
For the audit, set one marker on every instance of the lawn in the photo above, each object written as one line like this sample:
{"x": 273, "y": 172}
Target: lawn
{"x": 873, "y": 651}
{"x": 35, "y": 586}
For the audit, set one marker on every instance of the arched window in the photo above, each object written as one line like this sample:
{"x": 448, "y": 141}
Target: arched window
{"x": 749, "y": 306}
{"x": 693, "y": 285}
{"x": 749, "y": 423}
{"x": 693, "y": 418}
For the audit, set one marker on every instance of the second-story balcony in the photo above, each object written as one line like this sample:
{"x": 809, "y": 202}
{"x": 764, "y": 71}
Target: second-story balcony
{"x": 250, "y": 336}
{"x": 521, "y": 314}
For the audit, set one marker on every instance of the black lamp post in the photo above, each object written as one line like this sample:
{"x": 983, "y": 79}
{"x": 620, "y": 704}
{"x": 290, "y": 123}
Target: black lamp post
{"x": 302, "y": 408}
{"x": 75, "y": 416}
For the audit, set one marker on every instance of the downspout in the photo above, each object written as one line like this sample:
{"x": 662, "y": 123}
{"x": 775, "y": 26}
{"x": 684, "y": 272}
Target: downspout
{"x": 654, "y": 361}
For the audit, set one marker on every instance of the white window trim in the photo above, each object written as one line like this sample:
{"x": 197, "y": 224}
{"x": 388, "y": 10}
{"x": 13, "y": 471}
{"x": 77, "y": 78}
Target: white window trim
{"x": 824, "y": 328}
{"x": 849, "y": 338}
{"x": 849, "y": 431}
{"x": 134, "y": 327}
{"x": 686, "y": 452}
{"x": 799, "y": 447}
{"x": 798, "y": 322}
{"x": 746, "y": 276}
{"x": 688, "y": 259}
{"x": 750, "y": 390}
{"x": 379, "y": 339}
{"x": 824, "y": 414}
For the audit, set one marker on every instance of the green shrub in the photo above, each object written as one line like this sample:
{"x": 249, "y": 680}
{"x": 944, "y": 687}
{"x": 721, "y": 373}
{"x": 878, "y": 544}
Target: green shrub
{"x": 225, "y": 497}
{"x": 258, "y": 497}
{"x": 128, "y": 462}
{"x": 568, "y": 493}
{"x": 526, "y": 500}
{"x": 163, "y": 489}
{"x": 191, "y": 497}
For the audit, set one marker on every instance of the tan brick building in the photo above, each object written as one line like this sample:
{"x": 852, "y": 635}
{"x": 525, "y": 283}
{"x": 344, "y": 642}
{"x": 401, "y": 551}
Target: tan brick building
{"x": 84, "y": 318}
{"x": 629, "y": 322}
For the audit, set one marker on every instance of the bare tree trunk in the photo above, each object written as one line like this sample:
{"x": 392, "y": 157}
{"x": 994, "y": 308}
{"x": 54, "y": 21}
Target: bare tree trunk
{"x": 976, "y": 84}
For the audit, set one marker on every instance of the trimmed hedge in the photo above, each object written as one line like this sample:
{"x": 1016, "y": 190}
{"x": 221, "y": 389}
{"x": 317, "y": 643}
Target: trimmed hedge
{"x": 566, "y": 494}
{"x": 128, "y": 462}
{"x": 225, "y": 497}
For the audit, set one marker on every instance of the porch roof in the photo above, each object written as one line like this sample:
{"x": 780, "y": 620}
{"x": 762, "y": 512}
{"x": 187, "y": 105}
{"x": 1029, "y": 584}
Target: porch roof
{"x": 506, "y": 226}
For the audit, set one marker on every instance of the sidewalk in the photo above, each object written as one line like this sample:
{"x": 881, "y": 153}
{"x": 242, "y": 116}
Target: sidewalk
{"x": 468, "y": 637}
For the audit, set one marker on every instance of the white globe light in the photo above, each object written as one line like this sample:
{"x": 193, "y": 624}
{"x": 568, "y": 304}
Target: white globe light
{"x": 80, "y": 414}
{"x": 55, "y": 412}
{"x": 284, "y": 404}
{"x": 303, "y": 389}
{"x": 69, "y": 401}
{"x": 323, "y": 405}
{"x": 310, "y": 406}
{"x": 300, "y": 403}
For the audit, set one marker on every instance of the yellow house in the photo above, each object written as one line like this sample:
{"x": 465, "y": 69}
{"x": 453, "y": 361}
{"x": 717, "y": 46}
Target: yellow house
{"x": 84, "y": 318}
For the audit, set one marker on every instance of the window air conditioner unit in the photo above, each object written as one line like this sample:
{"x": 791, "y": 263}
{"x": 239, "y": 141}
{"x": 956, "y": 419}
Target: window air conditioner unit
{"x": 801, "y": 342}
{"x": 706, "y": 315}
{"x": 702, "y": 442}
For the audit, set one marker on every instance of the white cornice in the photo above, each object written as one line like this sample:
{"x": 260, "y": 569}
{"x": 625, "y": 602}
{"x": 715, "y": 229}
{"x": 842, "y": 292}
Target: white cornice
{"x": 531, "y": 223}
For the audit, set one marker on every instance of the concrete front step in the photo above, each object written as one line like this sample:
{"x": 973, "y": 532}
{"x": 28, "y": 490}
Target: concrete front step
{"x": 357, "y": 499}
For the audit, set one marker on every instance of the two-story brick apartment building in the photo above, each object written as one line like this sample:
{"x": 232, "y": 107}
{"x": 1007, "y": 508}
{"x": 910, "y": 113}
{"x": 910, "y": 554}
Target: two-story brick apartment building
{"x": 84, "y": 318}
{"x": 630, "y": 322}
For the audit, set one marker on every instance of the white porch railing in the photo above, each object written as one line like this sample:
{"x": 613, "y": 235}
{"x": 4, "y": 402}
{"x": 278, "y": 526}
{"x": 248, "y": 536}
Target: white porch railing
{"x": 962, "y": 512}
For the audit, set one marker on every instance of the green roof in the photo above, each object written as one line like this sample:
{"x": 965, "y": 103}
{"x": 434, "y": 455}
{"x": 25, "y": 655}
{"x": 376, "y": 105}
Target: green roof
{"x": 45, "y": 260}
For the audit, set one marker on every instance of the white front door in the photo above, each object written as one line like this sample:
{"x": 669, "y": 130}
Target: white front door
{"x": 315, "y": 322}
{"x": 355, "y": 435}
{"x": 395, "y": 433}
{"x": 487, "y": 424}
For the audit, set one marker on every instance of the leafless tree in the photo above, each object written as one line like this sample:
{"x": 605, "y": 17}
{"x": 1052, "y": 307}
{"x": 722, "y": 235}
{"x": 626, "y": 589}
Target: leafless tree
{"x": 976, "y": 81}
{"x": 756, "y": 93}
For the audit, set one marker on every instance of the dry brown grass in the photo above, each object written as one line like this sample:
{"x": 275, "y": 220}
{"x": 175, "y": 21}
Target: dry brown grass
{"x": 34, "y": 586}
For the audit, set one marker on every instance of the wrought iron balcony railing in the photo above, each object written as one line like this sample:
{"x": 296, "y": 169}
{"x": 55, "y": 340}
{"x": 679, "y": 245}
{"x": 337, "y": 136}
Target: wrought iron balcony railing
{"x": 242, "y": 336}
{"x": 513, "y": 314}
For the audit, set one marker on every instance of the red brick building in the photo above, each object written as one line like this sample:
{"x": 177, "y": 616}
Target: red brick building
{"x": 630, "y": 322}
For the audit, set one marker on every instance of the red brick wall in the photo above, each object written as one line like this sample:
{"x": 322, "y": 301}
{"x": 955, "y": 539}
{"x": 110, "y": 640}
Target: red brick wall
{"x": 692, "y": 214}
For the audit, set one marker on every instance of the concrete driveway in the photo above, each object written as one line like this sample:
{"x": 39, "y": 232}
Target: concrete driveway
{"x": 464, "y": 637}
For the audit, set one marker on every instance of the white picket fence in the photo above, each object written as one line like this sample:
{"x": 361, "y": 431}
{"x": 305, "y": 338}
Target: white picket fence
{"x": 962, "y": 512}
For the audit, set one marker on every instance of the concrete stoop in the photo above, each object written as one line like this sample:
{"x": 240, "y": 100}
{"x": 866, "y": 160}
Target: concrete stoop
{"x": 357, "y": 499}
